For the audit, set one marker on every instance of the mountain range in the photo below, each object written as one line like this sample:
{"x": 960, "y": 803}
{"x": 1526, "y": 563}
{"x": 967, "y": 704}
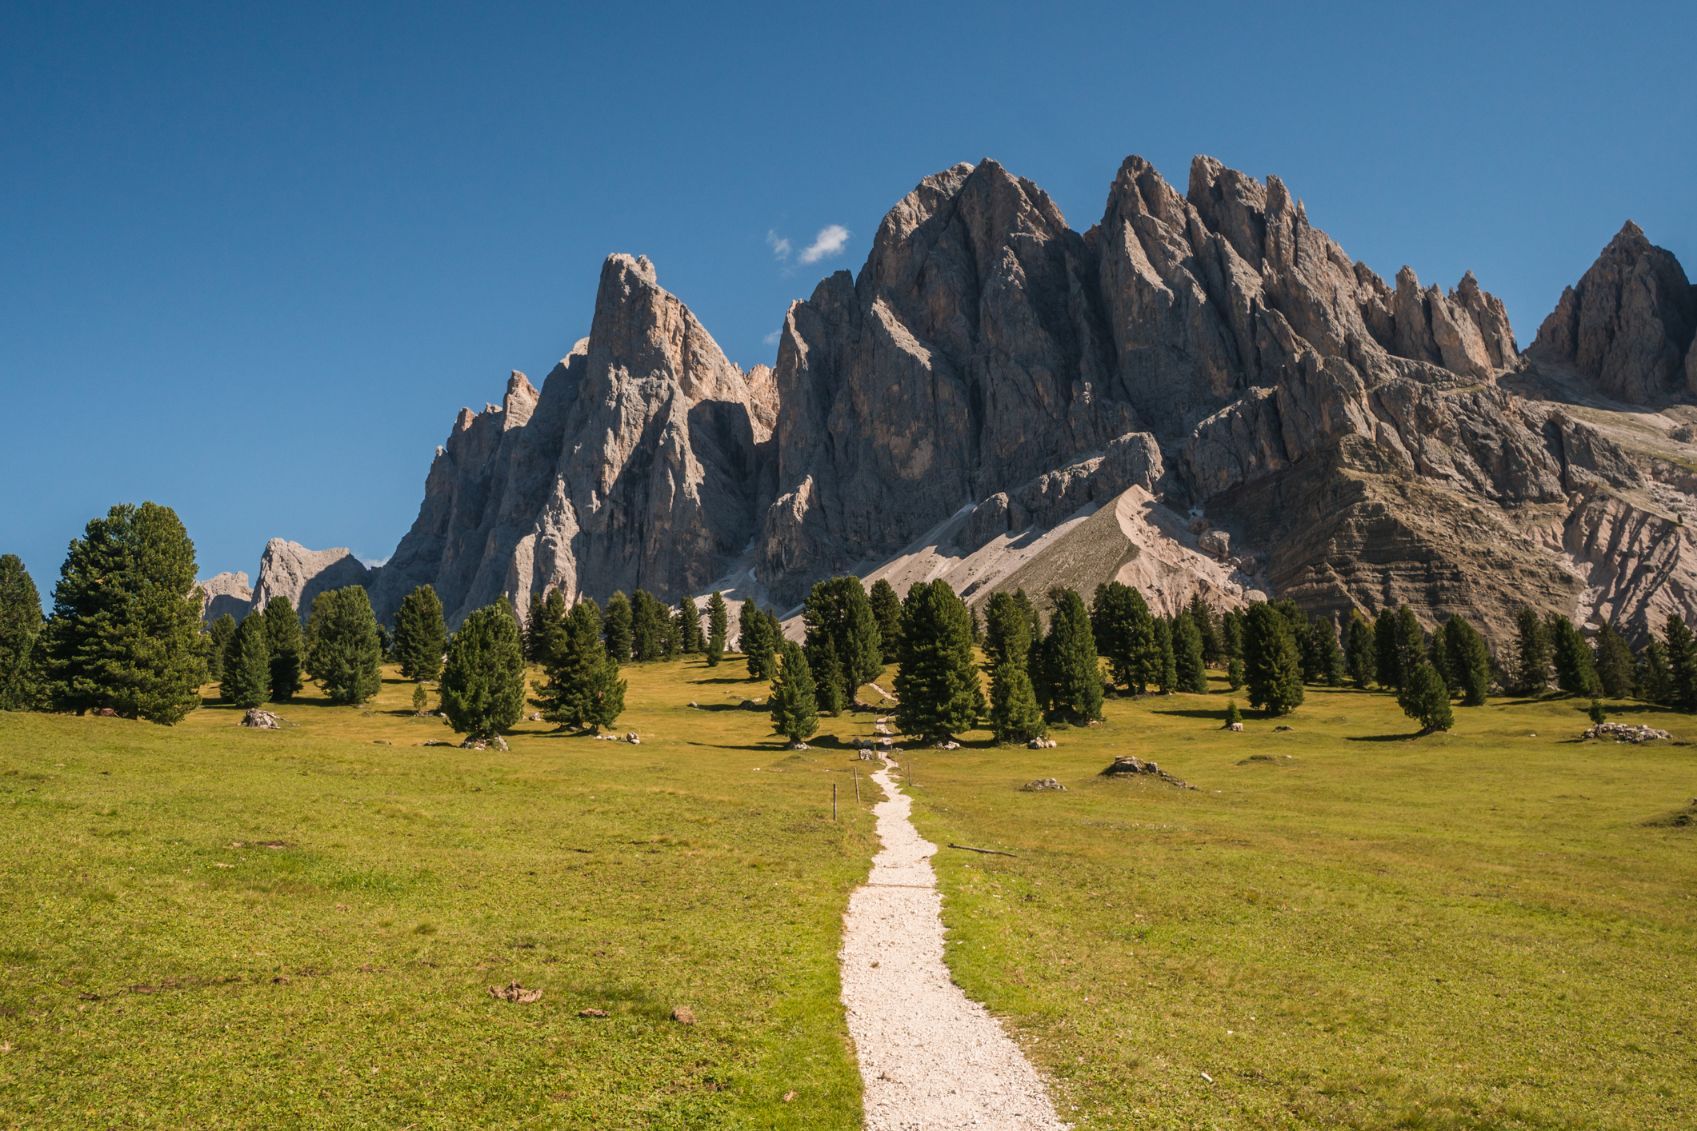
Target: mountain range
{"x": 1200, "y": 393}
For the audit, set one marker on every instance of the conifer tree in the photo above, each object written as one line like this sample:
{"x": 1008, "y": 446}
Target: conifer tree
{"x": 1014, "y": 713}
{"x": 1532, "y": 653}
{"x": 217, "y": 642}
{"x": 1166, "y": 679}
{"x": 1614, "y": 663}
{"x": 421, "y": 636}
{"x": 1271, "y": 660}
{"x": 1322, "y": 659}
{"x": 344, "y": 651}
{"x": 1234, "y": 717}
{"x": 1655, "y": 681}
{"x": 1188, "y": 653}
{"x": 20, "y": 626}
{"x": 125, "y": 630}
{"x": 887, "y": 612}
{"x": 651, "y": 627}
{"x": 483, "y": 679}
{"x": 1360, "y": 659}
{"x": 1576, "y": 671}
{"x": 583, "y": 688}
{"x": 1425, "y": 699}
{"x": 1411, "y": 640}
{"x": 718, "y": 626}
{"x": 1231, "y": 634}
{"x": 937, "y": 685}
{"x": 839, "y": 619}
{"x": 284, "y": 642}
{"x": 1208, "y": 628}
{"x": 1072, "y": 684}
{"x": 1681, "y": 648}
{"x": 827, "y": 671}
{"x": 547, "y": 637}
{"x": 247, "y": 664}
{"x": 1467, "y": 662}
{"x": 1124, "y": 630}
{"x": 1007, "y": 631}
{"x": 688, "y": 620}
{"x": 616, "y": 628}
{"x": 756, "y": 640}
{"x": 1387, "y": 648}
{"x": 795, "y": 711}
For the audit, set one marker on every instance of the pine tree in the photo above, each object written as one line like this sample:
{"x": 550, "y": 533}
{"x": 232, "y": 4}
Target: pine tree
{"x": 1322, "y": 659}
{"x": 616, "y": 628}
{"x": 887, "y": 612}
{"x": 688, "y": 620}
{"x": 125, "y": 630}
{"x": 756, "y": 640}
{"x": 1166, "y": 666}
{"x": 217, "y": 642}
{"x": 827, "y": 671}
{"x": 1360, "y": 659}
{"x": 247, "y": 664}
{"x": 1072, "y": 685}
{"x": 1655, "y": 682}
{"x": 284, "y": 642}
{"x": 1532, "y": 653}
{"x": 344, "y": 651}
{"x": 583, "y": 688}
{"x": 1234, "y": 717}
{"x": 795, "y": 711}
{"x": 420, "y": 700}
{"x": 421, "y": 636}
{"x": 483, "y": 679}
{"x": 1188, "y": 653}
{"x": 1007, "y": 631}
{"x": 838, "y": 618}
{"x": 937, "y": 687}
{"x": 20, "y": 625}
{"x": 718, "y": 625}
{"x": 1614, "y": 663}
{"x": 1208, "y": 628}
{"x": 1387, "y": 649}
{"x": 1271, "y": 660}
{"x": 1681, "y": 648}
{"x": 1426, "y": 700}
{"x": 1014, "y": 713}
{"x": 1576, "y": 671}
{"x": 1124, "y": 630}
{"x": 1467, "y": 662}
{"x": 1231, "y": 636}
{"x": 548, "y": 629}
{"x": 651, "y": 627}
{"x": 1411, "y": 641}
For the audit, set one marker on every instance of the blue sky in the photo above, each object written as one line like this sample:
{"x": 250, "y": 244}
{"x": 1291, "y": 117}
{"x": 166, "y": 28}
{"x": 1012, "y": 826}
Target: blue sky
{"x": 254, "y": 261}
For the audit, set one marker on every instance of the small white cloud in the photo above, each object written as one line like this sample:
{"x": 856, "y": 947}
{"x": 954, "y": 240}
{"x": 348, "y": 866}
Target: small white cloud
{"x": 375, "y": 563}
{"x": 780, "y": 246}
{"x": 772, "y": 338}
{"x": 831, "y": 240}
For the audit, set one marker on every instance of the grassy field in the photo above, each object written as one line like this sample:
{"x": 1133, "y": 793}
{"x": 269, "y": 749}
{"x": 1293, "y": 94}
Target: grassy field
{"x": 205, "y": 925}
{"x": 1340, "y": 926}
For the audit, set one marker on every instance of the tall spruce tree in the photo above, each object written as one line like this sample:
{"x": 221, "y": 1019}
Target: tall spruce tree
{"x": 1208, "y": 627}
{"x": 547, "y": 636}
{"x": 1014, "y": 713}
{"x": 795, "y": 711}
{"x": 1387, "y": 648}
{"x": 1231, "y": 635}
{"x": 887, "y": 611}
{"x": 688, "y": 621}
{"x": 616, "y": 628}
{"x": 1360, "y": 660}
{"x": 344, "y": 651}
{"x": 20, "y": 626}
{"x": 1166, "y": 679}
{"x": 1322, "y": 658}
{"x": 483, "y": 679}
{"x": 1072, "y": 671}
{"x": 1576, "y": 671}
{"x": 217, "y": 642}
{"x": 756, "y": 640}
{"x": 1467, "y": 662}
{"x": 1655, "y": 681}
{"x": 1272, "y": 663}
{"x": 839, "y": 619}
{"x": 1681, "y": 648}
{"x": 283, "y": 640}
{"x": 247, "y": 664}
{"x": 582, "y": 689}
{"x": 125, "y": 630}
{"x": 937, "y": 687}
{"x": 1124, "y": 631}
{"x": 1531, "y": 653}
{"x": 828, "y": 678}
{"x": 1616, "y": 669}
{"x": 1426, "y": 699}
{"x": 651, "y": 627}
{"x": 1007, "y": 631}
{"x": 421, "y": 636}
{"x": 718, "y": 627}
{"x": 1411, "y": 640}
{"x": 1188, "y": 654}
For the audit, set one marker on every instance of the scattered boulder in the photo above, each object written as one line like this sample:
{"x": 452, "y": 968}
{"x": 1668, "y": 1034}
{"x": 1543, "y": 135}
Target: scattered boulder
{"x": 631, "y": 737}
{"x": 1626, "y": 732}
{"x": 534, "y": 716}
{"x": 105, "y": 713}
{"x": 1040, "y": 744}
{"x": 1235, "y": 728}
{"x": 1043, "y": 785}
{"x": 261, "y": 720}
{"x": 865, "y": 755}
{"x": 474, "y": 744}
{"x": 498, "y": 743}
{"x": 515, "y": 993}
{"x": 800, "y": 746}
{"x": 951, "y": 744}
{"x": 1128, "y": 764}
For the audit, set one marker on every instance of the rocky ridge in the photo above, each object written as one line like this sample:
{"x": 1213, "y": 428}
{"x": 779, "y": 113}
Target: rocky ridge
{"x": 1244, "y": 406}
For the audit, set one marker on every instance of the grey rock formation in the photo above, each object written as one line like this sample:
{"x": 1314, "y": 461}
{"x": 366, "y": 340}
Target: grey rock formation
{"x": 225, "y": 593}
{"x": 634, "y": 466}
{"x": 288, "y": 569}
{"x": 1629, "y": 325}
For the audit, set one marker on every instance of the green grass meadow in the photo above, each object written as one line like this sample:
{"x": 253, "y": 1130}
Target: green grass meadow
{"x": 1341, "y": 926}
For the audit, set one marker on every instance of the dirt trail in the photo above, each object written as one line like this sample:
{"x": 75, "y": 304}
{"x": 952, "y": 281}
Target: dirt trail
{"x": 930, "y": 1058}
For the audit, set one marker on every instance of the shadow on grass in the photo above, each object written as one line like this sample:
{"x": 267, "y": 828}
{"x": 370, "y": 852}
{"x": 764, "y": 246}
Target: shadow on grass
{"x": 1409, "y": 737}
{"x": 1193, "y": 713}
{"x": 730, "y": 679}
{"x": 728, "y": 707}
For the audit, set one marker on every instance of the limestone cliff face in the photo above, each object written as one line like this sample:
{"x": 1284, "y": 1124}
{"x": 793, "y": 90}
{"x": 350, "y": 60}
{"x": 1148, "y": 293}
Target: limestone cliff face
{"x": 288, "y": 569}
{"x": 634, "y": 465}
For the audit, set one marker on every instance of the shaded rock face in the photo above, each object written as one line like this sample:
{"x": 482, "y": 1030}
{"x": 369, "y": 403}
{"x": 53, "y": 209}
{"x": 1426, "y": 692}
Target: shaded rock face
{"x": 634, "y": 465}
{"x": 225, "y": 593}
{"x": 1629, "y": 326}
{"x": 288, "y": 569}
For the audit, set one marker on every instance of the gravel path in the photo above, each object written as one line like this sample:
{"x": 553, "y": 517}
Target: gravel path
{"x": 930, "y": 1058}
